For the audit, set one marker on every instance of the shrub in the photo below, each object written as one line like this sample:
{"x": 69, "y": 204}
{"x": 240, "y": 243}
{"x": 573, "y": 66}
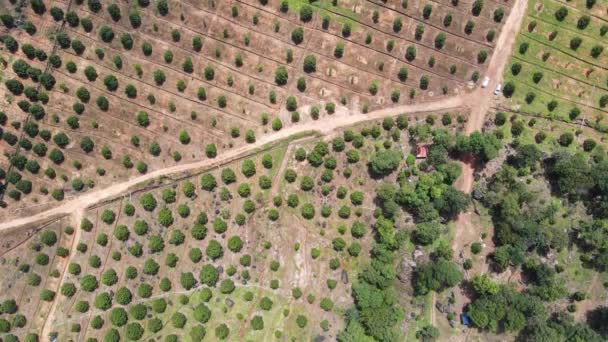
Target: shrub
{"x": 310, "y": 64}
{"x": 477, "y": 7}
{"x": 214, "y": 250}
{"x": 106, "y": 34}
{"x": 162, "y": 7}
{"x": 424, "y": 82}
{"x": 235, "y": 244}
{"x": 109, "y": 277}
{"x": 326, "y": 304}
{"x": 596, "y": 51}
{"x": 121, "y": 232}
{"x": 89, "y": 283}
{"x": 308, "y": 211}
{"x": 159, "y": 77}
{"x": 575, "y": 43}
{"x": 297, "y": 35}
{"x": 144, "y": 290}
{"x": 508, "y": 89}
{"x": 589, "y": 145}
{"x": 134, "y": 331}
{"x": 440, "y": 40}
{"x": 476, "y": 247}
{"x": 222, "y": 331}
{"x": 209, "y": 183}
{"x": 306, "y": 13}
{"x": 248, "y": 168}
{"x": 209, "y": 275}
{"x": 482, "y": 56}
{"x": 469, "y": 26}
{"x": 257, "y": 323}
{"x": 561, "y": 13}
{"x": 301, "y": 321}
{"x": 566, "y": 139}
{"x": 156, "y": 243}
{"x": 202, "y": 313}
{"x": 226, "y": 286}
{"x": 108, "y": 216}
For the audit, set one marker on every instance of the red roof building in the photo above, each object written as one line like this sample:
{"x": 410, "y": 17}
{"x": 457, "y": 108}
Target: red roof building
{"x": 421, "y": 151}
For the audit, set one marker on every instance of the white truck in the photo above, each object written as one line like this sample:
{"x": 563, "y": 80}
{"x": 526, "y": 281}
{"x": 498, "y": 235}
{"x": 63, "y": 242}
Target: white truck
{"x": 498, "y": 89}
{"x": 486, "y": 81}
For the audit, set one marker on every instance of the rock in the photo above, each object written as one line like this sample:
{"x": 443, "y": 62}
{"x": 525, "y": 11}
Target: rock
{"x": 229, "y": 302}
{"x": 405, "y": 269}
{"x": 477, "y": 194}
{"x": 319, "y": 338}
{"x": 220, "y": 269}
{"x": 344, "y": 277}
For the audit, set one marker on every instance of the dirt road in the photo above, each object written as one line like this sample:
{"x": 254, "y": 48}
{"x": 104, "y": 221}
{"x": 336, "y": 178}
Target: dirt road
{"x": 323, "y": 127}
{"x": 481, "y": 99}
{"x": 480, "y": 102}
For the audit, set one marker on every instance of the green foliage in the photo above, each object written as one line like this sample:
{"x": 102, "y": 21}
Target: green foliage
{"x": 436, "y": 276}
{"x": 88, "y": 283}
{"x": 214, "y": 250}
{"x": 384, "y": 162}
{"x": 103, "y": 301}
{"x": 427, "y": 232}
{"x": 248, "y": 168}
{"x": 202, "y": 313}
{"x": 209, "y": 275}
{"x": 226, "y": 286}
{"x": 281, "y": 76}
{"x": 297, "y": 35}
{"x": 235, "y": 244}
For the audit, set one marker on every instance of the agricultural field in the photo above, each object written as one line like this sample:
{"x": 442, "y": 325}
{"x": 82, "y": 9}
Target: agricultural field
{"x": 263, "y": 248}
{"x": 303, "y": 170}
{"x": 558, "y": 67}
{"x": 99, "y": 92}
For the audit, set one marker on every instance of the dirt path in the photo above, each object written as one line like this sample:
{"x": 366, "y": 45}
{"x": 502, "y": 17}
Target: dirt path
{"x": 76, "y": 218}
{"x": 277, "y": 180}
{"x": 480, "y": 102}
{"x": 321, "y": 126}
{"x": 433, "y": 301}
{"x": 588, "y": 304}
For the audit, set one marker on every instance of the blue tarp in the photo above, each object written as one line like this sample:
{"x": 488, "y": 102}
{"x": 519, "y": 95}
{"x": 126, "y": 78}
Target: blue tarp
{"x": 464, "y": 319}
